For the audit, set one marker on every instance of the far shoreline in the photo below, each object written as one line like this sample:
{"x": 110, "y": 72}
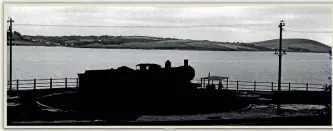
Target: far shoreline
{"x": 179, "y": 49}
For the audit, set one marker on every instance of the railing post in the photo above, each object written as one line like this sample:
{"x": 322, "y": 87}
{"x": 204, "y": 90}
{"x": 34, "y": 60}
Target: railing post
{"x": 237, "y": 85}
{"x": 272, "y": 86}
{"x": 50, "y": 83}
{"x": 65, "y": 82}
{"x": 34, "y": 84}
{"x": 200, "y": 83}
{"x": 307, "y": 86}
{"x": 254, "y": 89}
{"x": 289, "y": 86}
{"x": 227, "y": 82}
{"x": 204, "y": 83}
{"x": 326, "y": 89}
{"x": 17, "y": 84}
{"x": 77, "y": 82}
{"x": 10, "y": 85}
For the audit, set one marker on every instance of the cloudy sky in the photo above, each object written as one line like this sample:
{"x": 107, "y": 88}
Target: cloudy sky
{"x": 216, "y": 23}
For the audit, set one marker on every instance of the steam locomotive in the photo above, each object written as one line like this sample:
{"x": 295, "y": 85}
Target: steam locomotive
{"x": 149, "y": 89}
{"x": 147, "y": 77}
{"x": 132, "y": 88}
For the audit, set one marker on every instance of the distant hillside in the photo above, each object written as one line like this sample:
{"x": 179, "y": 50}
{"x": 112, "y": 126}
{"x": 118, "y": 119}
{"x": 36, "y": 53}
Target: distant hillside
{"x": 290, "y": 45}
{"x": 148, "y": 42}
{"x": 295, "y": 45}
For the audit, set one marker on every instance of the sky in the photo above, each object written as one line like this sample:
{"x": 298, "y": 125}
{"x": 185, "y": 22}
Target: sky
{"x": 221, "y": 23}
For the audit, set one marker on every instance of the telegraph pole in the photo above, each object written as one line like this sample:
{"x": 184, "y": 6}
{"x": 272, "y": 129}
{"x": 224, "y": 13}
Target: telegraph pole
{"x": 10, "y": 51}
{"x": 280, "y": 57}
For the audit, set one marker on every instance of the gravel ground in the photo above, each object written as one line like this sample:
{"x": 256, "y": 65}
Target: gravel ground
{"x": 254, "y": 111}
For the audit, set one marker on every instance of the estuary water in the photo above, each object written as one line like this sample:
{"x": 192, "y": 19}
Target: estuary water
{"x": 31, "y": 62}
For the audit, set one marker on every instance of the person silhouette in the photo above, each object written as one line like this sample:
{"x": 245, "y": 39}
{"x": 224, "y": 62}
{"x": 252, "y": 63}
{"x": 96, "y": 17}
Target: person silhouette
{"x": 220, "y": 86}
{"x": 207, "y": 87}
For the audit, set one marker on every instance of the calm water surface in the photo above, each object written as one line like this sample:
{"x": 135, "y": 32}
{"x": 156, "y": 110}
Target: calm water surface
{"x": 61, "y": 62}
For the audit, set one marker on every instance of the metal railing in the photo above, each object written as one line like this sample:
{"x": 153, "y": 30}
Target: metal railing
{"x": 35, "y": 84}
{"x": 267, "y": 86}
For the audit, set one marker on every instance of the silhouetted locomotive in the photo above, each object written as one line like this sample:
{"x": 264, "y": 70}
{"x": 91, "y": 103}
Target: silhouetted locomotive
{"x": 124, "y": 89}
{"x": 126, "y": 93}
{"x": 147, "y": 77}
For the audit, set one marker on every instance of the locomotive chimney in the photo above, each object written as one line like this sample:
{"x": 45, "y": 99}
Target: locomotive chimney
{"x": 167, "y": 64}
{"x": 185, "y": 62}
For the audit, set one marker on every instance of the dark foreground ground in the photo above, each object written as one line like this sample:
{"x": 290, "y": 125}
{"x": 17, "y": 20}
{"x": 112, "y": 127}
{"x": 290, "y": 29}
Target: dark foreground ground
{"x": 20, "y": 115}
{"x": 251, "y": 116}
{"x": 279, "y": 121}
